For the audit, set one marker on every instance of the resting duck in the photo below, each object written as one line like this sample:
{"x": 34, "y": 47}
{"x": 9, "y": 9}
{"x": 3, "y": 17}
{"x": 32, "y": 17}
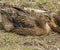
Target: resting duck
{"x": 33, "y": 25}
{"x": 24, "y": 23}
{"x": 29, "y": 25}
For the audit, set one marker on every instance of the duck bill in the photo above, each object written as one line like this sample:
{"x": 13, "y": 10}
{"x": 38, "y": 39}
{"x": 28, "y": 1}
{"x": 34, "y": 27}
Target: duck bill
{"x": 52, "y": 23}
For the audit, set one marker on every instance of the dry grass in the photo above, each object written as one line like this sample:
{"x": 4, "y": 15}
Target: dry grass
{"x": 12, "y": 41}
{"x": 52, "y": 5}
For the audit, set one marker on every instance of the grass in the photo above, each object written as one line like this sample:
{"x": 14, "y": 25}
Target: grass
{"x": 51, "y": 4}
{"x": 13, "y": 41}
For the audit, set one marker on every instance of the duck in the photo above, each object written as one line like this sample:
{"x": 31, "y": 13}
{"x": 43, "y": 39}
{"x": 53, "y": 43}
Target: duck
{"x": 27, "y": 24}
{"x": 33, "y": 25}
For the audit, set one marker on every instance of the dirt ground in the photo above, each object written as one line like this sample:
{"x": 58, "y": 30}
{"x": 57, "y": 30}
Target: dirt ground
{"x": 12, "y": 41}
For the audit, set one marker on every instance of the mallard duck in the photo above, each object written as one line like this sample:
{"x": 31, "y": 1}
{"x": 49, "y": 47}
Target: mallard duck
{"x": 33, "y": 25}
